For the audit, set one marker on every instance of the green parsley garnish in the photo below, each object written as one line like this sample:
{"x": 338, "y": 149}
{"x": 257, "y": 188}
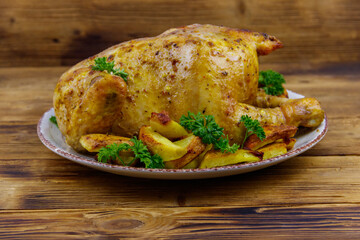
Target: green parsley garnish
{"x": 102, "y": 65}
{"x": 252, "y": 127}
{"x": 271, "y": 82}
{"x": 53, "y": 120}
{"x": 142, "y": 153}
{"x": 205, "y": 127}
{"x": 111, "y": 152}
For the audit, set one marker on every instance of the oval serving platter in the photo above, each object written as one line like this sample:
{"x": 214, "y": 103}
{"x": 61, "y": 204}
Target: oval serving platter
{"x": 52, "y": 138}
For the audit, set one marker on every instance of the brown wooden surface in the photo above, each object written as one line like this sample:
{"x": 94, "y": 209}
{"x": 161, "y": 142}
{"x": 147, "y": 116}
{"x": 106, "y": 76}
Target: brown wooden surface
{"x": 315, "y": 195}
{"x": 54, "y": 33}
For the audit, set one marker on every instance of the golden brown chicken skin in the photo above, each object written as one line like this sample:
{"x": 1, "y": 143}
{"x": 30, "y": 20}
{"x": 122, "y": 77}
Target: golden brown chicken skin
{"x": 197, "y": 68}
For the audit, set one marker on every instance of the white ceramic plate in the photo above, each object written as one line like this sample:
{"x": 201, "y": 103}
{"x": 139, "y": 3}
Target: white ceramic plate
{"x": 51, "y": 137}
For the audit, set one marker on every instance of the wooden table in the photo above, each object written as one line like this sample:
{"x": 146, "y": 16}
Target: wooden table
{"x": 314, "y": 195}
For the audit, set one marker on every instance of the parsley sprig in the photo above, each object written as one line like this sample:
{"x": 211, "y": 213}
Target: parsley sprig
{"x": 252, "y": 127}
{"x": 271, "y": 82}
{"x": 102, "y": 65}
{"x": 53, "y": 120}
{"x": 205, "y": 127}
{"x": 111, "y": 152}
{"x": 142, "y": 153}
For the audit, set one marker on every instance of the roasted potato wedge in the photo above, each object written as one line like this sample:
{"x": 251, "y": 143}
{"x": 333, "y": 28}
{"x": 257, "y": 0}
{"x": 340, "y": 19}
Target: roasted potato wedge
{"x": 160, "y": 145}
{"x": 289, "y": 142}
{"x": 94, "y": 142}
{"x": 194, "y": 147}
{"x": 272, "y": 133}
{"x": 285, "y": 94}
{"x": 162, "y": 124}
{"x": 273, "y": 150}
{"x": 217, "y": 159}
{"x": 191, "y": 165}
{"x": 196, "y": 162}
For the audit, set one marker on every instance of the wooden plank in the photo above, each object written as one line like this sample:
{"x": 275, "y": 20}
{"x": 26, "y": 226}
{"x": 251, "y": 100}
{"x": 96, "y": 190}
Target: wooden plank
{"x": 26, "y": 93}
{"x": 341, "y": 139}
{"x": 323, "y": 221}
{"x": 60, "y": 184}
{"x": 49, "y": 33}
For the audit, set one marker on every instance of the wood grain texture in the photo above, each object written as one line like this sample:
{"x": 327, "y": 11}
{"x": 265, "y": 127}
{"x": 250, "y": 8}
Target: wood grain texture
{"x": 60, "y": 184}
{"x": 48, "y": 33}
{"x": 312, "y": 196}
{"x": 323, "y": 221}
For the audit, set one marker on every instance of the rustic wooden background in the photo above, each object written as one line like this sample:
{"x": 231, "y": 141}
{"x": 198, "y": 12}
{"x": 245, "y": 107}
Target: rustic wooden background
{"x": 56, "y": 33}
{"x": 313, "y": 196}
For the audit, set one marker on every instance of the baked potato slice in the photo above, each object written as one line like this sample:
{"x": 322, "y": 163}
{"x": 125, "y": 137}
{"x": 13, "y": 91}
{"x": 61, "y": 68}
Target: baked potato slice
{"x": 94, "y": 142}
{"x": 194, "y": 147}
{"x": 196, "y": 161}
{"x": 218, "y": 159}
{"x": 158, "y": 144}
{"x": 162, "y": 124}
{"x": 273, "y": 133}
{"x": 191, "y": 165}
{"x": 290, "y": 143}
{"x": 273, "y": 150}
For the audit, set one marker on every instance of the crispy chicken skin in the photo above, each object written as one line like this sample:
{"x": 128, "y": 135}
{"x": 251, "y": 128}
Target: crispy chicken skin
{"x": 197, "y": 68}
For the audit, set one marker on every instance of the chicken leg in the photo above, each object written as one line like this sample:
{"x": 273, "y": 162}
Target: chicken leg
{"x": 305, "y": 112}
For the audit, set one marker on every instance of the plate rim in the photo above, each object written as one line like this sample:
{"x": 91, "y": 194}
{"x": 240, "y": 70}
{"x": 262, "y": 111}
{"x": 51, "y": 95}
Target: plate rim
{"x": 127, "y": 170}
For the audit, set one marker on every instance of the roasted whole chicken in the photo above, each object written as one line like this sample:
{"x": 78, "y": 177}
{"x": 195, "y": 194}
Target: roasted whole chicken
{"x": 199, "y": 68}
